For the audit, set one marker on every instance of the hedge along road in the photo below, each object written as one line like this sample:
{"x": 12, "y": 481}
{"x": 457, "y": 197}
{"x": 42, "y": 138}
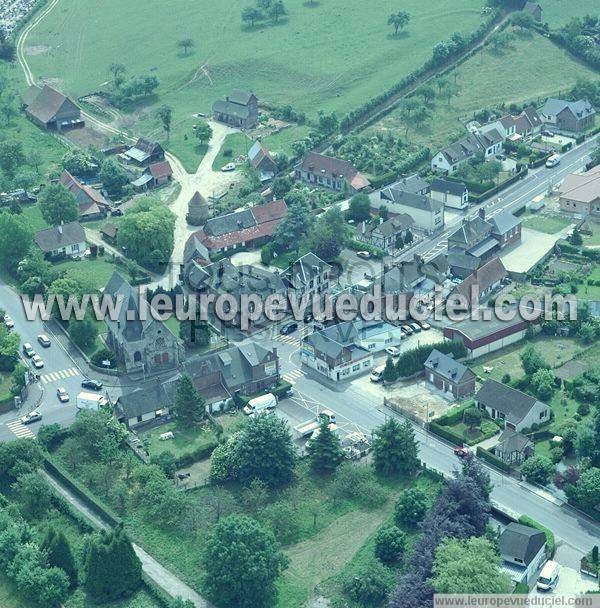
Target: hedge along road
{"x": 205, "y": 179}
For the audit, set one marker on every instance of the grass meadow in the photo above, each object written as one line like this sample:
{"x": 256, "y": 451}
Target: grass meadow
{"x": 530, "y": 69}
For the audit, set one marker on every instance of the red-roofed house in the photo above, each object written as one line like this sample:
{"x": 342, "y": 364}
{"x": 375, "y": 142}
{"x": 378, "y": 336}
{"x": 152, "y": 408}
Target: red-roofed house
{"x": 329, "y": 172}
{"x": 155, "y": 175}
{"x": 92, "y": 204}
{"x": 247, "y": 228}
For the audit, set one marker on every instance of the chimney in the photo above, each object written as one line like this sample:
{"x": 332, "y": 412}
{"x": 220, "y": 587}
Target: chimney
{"x": 482, "y": 213}
{"x": 380, "y": 221}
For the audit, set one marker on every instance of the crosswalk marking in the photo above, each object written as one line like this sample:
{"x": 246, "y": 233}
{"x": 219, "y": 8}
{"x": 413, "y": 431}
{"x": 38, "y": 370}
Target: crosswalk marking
{"x": 60, "y": 375}
{"x": 292, "y": 376}
{"x": 288, "y": 340}
{"x": 19, "y": 429}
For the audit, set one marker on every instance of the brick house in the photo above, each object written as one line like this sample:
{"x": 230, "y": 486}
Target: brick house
{"x": 331, "y": 173}
{"x": 580, "y": 193}
{"x": 448, "y": 375}
{"x": 239, "y": 109}
{"x": 570, "y": 116}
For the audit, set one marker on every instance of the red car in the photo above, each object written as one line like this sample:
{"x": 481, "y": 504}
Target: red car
{"x": 462, "y": 451}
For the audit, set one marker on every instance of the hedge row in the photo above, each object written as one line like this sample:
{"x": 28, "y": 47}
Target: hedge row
{"x": 550, "y": 541}
{"x": 446, "y": 433}
{"x": 200, "y": 453}
{"x": 492, "y": 459}
{"x": 360, "y": 246}
{"x": 454, "y": 416}
{"x": 477, "y": 198}
{"x": 91, "y": 501}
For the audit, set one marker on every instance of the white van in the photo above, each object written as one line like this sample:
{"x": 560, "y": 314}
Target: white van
{"x": 553, "y": 161}
{"x": 377, "y": 374}
{"x": 261, "y": 404}
{"x": 548, "y": 576}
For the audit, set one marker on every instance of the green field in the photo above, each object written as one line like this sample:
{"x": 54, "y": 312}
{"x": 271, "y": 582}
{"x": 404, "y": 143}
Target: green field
{"x": 330, "y": 56}
{"x": 559, "y": 12}
{"x": 530, "y": 70}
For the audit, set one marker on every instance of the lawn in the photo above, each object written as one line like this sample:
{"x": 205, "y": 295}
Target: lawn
{"x": 34, "y": 217}
{"x": 5, "y": 384}
{"x": 559, "y": 12}
{"x": 530, "y": 70}
{"x": 330, "y": 56}
{"x": 92, "y": 272}
{"x": 234, "y": 146}
{"x": 550, "y": 223}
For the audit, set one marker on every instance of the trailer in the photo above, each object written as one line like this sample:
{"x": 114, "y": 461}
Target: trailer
{"x": 306, "y": 429}
{"x": 90, "y": 401}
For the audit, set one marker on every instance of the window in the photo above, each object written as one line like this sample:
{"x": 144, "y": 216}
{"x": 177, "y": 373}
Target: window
{"x": 518, "y": 560}
{"x": 543, "y": 414}
{"x": 137, "y": 356}
{"x": 355, "y": 368}
{"x": 371, "y": 346}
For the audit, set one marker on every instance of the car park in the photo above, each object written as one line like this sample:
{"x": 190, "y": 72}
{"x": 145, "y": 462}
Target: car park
{"x": 28, "y": 350}
{"x": 44, "y": 340}
{"x": 37, "y": 362}
{"x": 95, "y": 385}
{"x": 288, "y": 328}
{"x": 62, "y": 394}
{"x": 31, "y": 417}
{"x": 392, "y": 351}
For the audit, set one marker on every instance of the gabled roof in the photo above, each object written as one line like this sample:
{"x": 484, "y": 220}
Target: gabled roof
{"x": 584, "y": 187}
{"x": 88, "y": 199}
{"x": 109, "y": 229}
{"x": 491, "y": 137}
{"x": 503, "y": 222}
{"x": 448, "y": 186}
{"x": 470, "y": 231}
{"x": 414, "y": 184}
{"x": 522, "y": 542}
{"x": 489, "y": 274}
{"x": 390, "y": 227}
{"x": 514, "y": 404}
{"x": 579, "y": 109}
{"x": 160, "y": 170}
{"x": 306, "y": 268}
{"x": 148, "y": 398}
{"x": 47, "y": 103}
{"x": 241, "y": 96}
{"x": 447, "y": 367}
{"x": 58, "y": 237}
{"x": 408, "y": 199}
{"x": 231, "y": 109}
{"x": 463, "y": 149}
{"x": 328, "y": 166}
{"x": 512, "y": 441}
{"x": 258, "y": 153}
{"x": 402, "y": 278}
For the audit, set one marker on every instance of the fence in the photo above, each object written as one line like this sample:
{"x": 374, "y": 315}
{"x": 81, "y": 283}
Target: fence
{"x": 395, "y": 407}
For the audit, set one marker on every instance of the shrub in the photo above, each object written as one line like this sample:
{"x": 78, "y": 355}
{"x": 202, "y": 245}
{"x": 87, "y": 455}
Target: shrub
{"x": 389, "y": 544}
{"x": 410, "y": 507}
{"x": 358, "y": 483}
{"x": 537, "y": 469}
{"x": 370, "y": 586}
{"x": 583, "y": 409}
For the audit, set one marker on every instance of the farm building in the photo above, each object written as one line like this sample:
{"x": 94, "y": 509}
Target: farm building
{"x": 262, "y": 160}
{"x": 92, "y": 205}
{"x": 154, "y": 176}
{"x": 51, "y": 110}
{"x": 240, "y": 109}
{"x": 144, "y": 153}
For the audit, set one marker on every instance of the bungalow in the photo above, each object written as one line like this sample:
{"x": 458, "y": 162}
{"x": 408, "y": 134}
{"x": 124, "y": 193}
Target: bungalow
{"x": 144, "y": 153}
{"x": 515, "y": 409}
{"x": 580, "y": 193}
{"x": 448, "y": 375}
{"x": 155, "y": 175}
{"x": 523, "y": 552}
{"x": 147, "y": 403}
{"x": 51, "y": 110}
{"x": 513, "y": 447}
{"x": 345, "y": 350}
{"x": 239, "y": 109}
{"x": 452, "y": 194}
{"x": 481, "y": 337}
{"x": 262, "y": 160}
{"x": 331, "y": 173}
{"x": 66, "y": 240}
{"x": 92, "y": 205}
{"x": 385, "y": 234}
{"x": 247, "y": 228}
{"x": 570, "y": 116}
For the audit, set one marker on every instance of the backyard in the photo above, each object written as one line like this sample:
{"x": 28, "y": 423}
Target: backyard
{"x": 545, "y": 221}
{"x": 530, "y": 69}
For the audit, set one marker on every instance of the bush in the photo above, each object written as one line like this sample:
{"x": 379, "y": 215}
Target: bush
{"x": 550, "y": 541}
{"x": 583, "y": 409}
{"x": 358, "y": 483}
{"x": 370, "y": 586}
{"x": 538, "y": 469}
{"x": 389, "y": 544}
{"x": 103, "y": 354}
{"x": 410, "y": 507}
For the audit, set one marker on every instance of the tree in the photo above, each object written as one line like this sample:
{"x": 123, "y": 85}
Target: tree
{"x": 586, "y": 492}
{"x": 408, "y": 236}
{"x": 327, "y": 235}
{"x": 399, "y": 20}
{"x": 276, "y": 10}
{"x": 16, "y": 238}
{"x": 113, "y": 177}
{"x": 266, "y": 254}
{"x": 11, "y": 156}
{"x": 186, "y": 44}
{"x": 537, "y": 469}
{"x": 522, "y": 20}
{"x": 395, "y": 450}
{"x": 472, "y": 417}
{"x": 77, "y": 162}
{"x": 576, "y": 238}
{"x": 242, "y": 563}
{"x": 33, "y": 493}
{"x": 410, "y": 507}
{"x": 251, "y": 15}
{"x": 117, "y": 71}
{"x": 292, "y": 227}
{"x": 325, "y": 450}
{"x": 84, "y": 332}
{"x": 359, "y": 208}
{"x": 407, "y": 107}
{"x": 112, "y": 569}
{"x": 59, "y": 553}
{"x": 188, "y": 406}
{"x": 390, "y": 373}
{"x": 58, "y": 205}
{"x": 389, "y": 544}
{"x": 9, "y": 349}
{"x": 399, "y": 242}
{"x": 203, "y": 132}
{"x": 532, "y": 360}
{"x": 166, "y": 461}
{"x": 543, "y": 382}
{"x": 281, "y": 186}
{"x": 468, "y": 566}
{"x": 165, "y": 114}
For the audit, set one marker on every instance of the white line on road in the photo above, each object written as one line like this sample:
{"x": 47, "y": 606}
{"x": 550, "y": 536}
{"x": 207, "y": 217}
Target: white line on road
{"x": 19, "y": 429}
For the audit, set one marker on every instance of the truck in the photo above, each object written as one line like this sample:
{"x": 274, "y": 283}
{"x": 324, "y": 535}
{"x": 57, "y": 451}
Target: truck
{"x": 90, "y": 401}
{"x": 306, "y": 429}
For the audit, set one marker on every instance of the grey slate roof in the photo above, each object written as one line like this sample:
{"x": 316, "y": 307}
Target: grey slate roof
{"x": 408, "y": 199}
{"x": 503, "y": 222}
{"x": 231, "y": 222}
{"x": 471, "y": 230}
{"x": 457, "y": 259}
{"x": 447, "y": 367}
{"x": 58, "y": 237}
{"x": 512, "y": 441}
{"x": 522, "y": 542}
{"x": 580, "y": 108}
{"x": 413, "y": 184}
{"x": 448, "y": 186}
{"x": 231, "y": 109}
{"x": 514, "y": 404}
{"x": 241, "y": 96}
{"x": 401, "y": 278}
{"x": 463, "y": 149}
{"x": 148, "y": 398}
{"x": 306, "y": 268}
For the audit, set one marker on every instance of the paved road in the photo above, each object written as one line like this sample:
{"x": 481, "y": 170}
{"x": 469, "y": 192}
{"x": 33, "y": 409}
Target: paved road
{"x": 165, "y": 579}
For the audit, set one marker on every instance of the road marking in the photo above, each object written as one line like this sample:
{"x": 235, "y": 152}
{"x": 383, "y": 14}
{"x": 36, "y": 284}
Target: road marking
{"x": 19, "y": 429}
{"x": 288, "y": 340}
{"x": 60, "y": 375}
{"x": 292, "y": 376}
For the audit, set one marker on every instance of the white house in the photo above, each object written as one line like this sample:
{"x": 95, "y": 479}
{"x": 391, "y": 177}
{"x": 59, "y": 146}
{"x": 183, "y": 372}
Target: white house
{"x": 452, "y": 194}
{"x": 66, "y": 240}
{"x": 523, "y": 552}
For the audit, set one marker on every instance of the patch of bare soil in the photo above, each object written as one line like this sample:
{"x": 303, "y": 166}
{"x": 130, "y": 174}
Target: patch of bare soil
{"x": 39, "y": 49}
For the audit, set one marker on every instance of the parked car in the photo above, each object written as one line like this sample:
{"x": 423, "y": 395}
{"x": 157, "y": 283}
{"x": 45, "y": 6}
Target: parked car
{"x": 377, "y": 374}
{"x": 95, "y": 385}
{"x": 500, "y": 157}
{"x": 288, "y": 328}
{"x": 553, "y": 161}
{"x": 365, "y": 255}
{"x": 548, "y": 576}
{"x": 415, "y": 327}
{"x": 228, "y": 167}
{"x": 117, "y": 212}
{"x": 407, "y": 330}
{"x": 424, "y": 325}
{"x": 31, "y": 417}
{"x": 37, "y": 362}
{"x": 8, "y": 322}
{"x": 548, "y": 133}
{"x": 28, "y": 350}
{"x": 392, "y": 351}
{"x": 308, "y": 317}
{"x": 62, "y": 394}
{"x": 462, "y": 451}
{"x": 44, "y": 340}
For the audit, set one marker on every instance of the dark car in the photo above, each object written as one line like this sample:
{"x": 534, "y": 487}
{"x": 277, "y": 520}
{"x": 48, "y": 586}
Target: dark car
{"x": 308, "y": 317}
{"x": 288, "y": 328}
{"x": 116, "y": 212}
{"x": 95, "y": 385}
